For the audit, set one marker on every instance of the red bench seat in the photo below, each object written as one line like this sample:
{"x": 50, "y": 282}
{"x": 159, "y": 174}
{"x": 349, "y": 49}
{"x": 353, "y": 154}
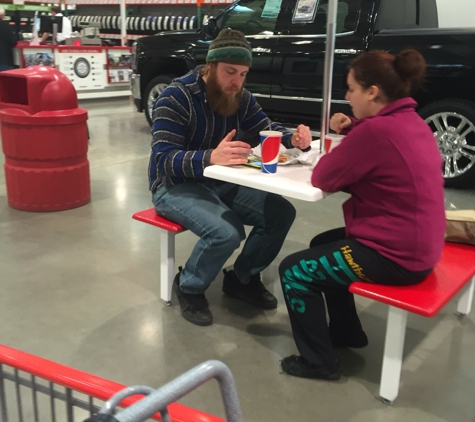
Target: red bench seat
{"x": 167, "y": 248}
{"x": 149, "y": 216}
{"x": 453, "y": 272}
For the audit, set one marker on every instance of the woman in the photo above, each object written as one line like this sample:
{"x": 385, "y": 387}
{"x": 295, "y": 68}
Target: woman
{"x": 395, "y": 222}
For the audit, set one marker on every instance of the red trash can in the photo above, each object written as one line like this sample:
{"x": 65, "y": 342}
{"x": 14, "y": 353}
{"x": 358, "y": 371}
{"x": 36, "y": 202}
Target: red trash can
{"x": 44, "y": 139}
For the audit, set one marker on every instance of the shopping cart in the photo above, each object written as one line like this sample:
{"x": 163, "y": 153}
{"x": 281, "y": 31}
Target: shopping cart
{"x": 36, "y": 389}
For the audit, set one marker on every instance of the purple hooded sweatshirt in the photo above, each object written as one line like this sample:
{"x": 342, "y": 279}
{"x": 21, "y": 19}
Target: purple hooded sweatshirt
{"x": 391, "y": 166}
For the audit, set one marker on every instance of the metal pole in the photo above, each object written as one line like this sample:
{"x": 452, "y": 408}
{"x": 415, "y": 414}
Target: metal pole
{"x": 328, "y": 69}
{"x": 199, "y": 15}
{"x": 55, "y": 33}
{"x": 123, "y": 28}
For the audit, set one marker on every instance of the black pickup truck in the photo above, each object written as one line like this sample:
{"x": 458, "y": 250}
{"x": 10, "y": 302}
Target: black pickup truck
{"x": 288, "y": 62}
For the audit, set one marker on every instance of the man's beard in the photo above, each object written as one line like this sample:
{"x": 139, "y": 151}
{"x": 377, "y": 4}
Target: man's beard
{"x": 221, "y": 103}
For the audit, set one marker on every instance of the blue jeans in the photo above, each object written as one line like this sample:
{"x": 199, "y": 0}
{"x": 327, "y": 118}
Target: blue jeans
{"x": 217, "y": 213}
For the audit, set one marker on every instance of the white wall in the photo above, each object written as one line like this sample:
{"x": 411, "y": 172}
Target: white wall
{"x": 456, "y": 13}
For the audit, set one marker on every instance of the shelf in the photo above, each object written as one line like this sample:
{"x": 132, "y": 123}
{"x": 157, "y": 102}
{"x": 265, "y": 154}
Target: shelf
{"x": 141, "y": 25}
{"x": 146, "y": 2}
{"x": 118, "y": 36}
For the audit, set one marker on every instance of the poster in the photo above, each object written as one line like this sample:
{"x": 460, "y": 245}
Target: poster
{"x": 305, "y": 11}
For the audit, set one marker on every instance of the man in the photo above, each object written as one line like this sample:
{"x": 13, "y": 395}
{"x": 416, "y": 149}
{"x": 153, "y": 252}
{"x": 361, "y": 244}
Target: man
{"x": 7, "y": 42}
{"x": 66, "y": 30}
{"x": 206, "y": 117}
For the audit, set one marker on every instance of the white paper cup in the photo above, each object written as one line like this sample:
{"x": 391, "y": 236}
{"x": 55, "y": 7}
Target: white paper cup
{"x": 331, "y": 141}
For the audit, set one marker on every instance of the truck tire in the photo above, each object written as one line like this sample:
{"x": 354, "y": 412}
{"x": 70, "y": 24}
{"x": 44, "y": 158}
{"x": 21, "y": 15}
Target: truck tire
{"x": 453, "y": 124}
{"x": 154, "y": 89}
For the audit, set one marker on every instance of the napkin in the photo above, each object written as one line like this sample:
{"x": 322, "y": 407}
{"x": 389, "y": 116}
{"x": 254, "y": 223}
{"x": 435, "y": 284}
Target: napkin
{"x": 295, "y": 155}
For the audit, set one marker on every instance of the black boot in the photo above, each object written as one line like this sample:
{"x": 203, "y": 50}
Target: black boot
{"x": 298, "y": 366}
{"x": 194, "y": 307}
{"x": 254, "y": 293}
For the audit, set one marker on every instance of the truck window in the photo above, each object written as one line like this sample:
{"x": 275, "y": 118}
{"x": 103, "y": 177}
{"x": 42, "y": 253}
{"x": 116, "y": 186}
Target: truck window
{"x": 246, "y": 17}
{"x": 347, "y": 14}
{"x": 407, "y": 14}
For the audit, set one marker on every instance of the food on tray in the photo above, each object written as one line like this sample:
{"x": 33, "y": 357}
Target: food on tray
{"x": 283, "y": 158}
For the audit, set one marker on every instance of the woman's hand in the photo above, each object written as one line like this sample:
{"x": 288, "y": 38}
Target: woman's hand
{"x": 229, "y": 152}
{"x": 339, "y": 121}
{"x": 302, "y": 137}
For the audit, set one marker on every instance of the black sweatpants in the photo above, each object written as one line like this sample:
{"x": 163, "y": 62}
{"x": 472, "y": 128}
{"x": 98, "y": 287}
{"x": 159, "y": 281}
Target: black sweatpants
{"x": 325, "y": 270}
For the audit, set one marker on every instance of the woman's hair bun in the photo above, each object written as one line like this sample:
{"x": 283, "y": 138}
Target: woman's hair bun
{"x": 410, "y": 65}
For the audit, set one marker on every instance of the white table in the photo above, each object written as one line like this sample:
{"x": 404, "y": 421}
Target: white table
{"x": 292, "y": 180}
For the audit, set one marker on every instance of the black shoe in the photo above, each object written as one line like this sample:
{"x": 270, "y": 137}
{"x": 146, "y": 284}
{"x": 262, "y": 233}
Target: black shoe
{"x": 254, "y": 293}
{"x": 355, "y": 341}
{"x": 194, "y": 307}
{"x": 300, "y": 367}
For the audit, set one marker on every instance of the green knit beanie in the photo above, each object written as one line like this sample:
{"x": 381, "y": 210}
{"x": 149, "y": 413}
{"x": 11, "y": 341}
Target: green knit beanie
{"x": 230, "y": 46}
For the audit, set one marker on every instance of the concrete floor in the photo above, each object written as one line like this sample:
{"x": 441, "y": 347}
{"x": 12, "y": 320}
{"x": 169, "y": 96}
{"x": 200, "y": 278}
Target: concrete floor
{"x": 81, "y": 287}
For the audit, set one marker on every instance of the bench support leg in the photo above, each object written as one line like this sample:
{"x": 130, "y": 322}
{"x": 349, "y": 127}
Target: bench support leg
{"x": 393, "y": 349}
{"x": 465, "y": 302}
{"x": 167, "y": 265}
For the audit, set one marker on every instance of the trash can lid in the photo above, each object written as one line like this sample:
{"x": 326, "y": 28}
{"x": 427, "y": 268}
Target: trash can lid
{"x": 37, "y": 88}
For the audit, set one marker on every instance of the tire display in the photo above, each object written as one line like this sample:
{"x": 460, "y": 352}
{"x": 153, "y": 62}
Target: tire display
{"x": 82, "y": 67}
{"x": 137, "y": 25}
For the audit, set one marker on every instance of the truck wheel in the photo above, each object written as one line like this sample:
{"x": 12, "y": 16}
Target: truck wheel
{"x": 453, "y": 125}
{"x": 154, "y": 89}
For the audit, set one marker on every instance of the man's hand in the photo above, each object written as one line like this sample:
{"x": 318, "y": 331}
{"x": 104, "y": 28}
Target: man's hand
{"x": 339, "y": 121}
{"x": 302, "y": 137}
{"x": 229, "y": 153}
{"x": 44, "y": 37}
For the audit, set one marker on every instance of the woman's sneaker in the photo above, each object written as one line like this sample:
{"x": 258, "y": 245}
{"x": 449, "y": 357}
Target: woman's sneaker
{"x": 194, "y": 307}
{"x": 298, "y": 366}
{"x": 254, "y": 293}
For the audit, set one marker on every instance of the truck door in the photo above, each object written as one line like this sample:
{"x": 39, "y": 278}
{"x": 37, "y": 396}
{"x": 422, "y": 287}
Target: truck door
{"x": 299, "y": 61}
{"x": 259, "y": 23}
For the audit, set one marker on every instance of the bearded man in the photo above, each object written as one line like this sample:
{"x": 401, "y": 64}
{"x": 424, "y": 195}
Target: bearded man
{"x": 203, "y": 118}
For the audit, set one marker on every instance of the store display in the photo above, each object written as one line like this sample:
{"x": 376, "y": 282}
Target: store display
{"x": 145, "y": 24}
{"x": 36, "y": 57}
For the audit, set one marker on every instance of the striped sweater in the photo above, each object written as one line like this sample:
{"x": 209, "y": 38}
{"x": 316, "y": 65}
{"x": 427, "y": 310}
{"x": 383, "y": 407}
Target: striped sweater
{"x": 185, "y": 130}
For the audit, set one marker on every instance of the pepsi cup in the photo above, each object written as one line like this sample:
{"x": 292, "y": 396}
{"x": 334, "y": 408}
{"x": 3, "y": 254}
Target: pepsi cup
{"x": 270, "y": 145}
